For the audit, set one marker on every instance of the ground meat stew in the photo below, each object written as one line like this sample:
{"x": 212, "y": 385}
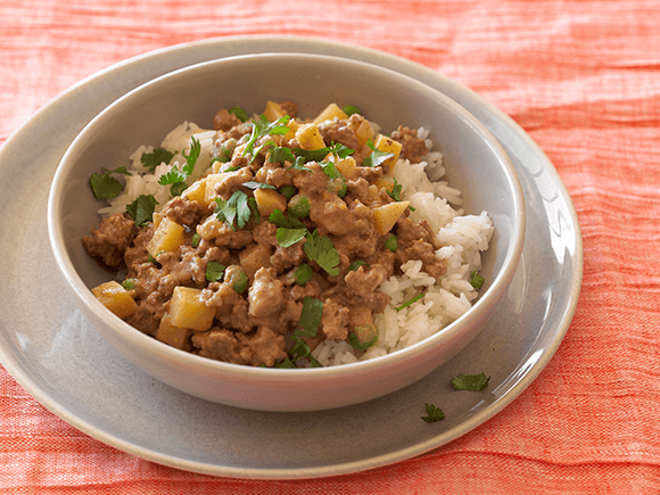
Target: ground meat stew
{"x": 281, "y": 244}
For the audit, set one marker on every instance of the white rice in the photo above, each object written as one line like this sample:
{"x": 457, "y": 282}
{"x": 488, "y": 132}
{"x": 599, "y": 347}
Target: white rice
{"x": 463, "y": 237}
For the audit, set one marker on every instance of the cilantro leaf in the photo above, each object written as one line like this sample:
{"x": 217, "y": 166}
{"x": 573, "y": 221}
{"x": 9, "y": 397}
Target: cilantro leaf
{"x": 377, "y": 157}
{"x": 155, "y": 158}
{"x": 251, "y": 184}
{"x": 310, "y": 317}
{"x": 340, "y": 150}
{"x": 320, "y": 249}
{"x": 263, "y": 127}
{"x": 300, "y": 349}
{"x": 106, "y": 187}
{"x": 357, "y": 264}
{"x": 470, "y": 382}
{"x": 142, "y": 209}
{"x": 240, "y": 113}
{"x": 434, "y": 414}
{"x": 408, "y": 303}
{"x": 299, "y": 164}
{"x": 361, "y": 346}
{"x": 129, "y": 283}
{"x": 196, "y": 238}
{"x": 235, "y": 211}
{"x": 281, "y": 155}
{"x": 214, "y": 271}
{"x": 288, "y": 237}
{"x": 287, "y": 363}
{"x": 395, "y": 193}
{"x": 304, "y": 274}
{"x": 279, "y": 219}
{"x": 191, "y": 158}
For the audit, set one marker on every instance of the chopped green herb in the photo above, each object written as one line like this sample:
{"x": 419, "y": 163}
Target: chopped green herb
{"x": 240, "y": 113}
{"x": 304, "y": 274}
{"x": 433, "y": 414}
{"x": 392, "y": 243}
{"x": 320, "y": 249}
{"x": 281, "y": 155}
{"x": 395, "y": 193}
{"x": 155, "y": 158}
{"x": 129, "y": 283}
{"x": 196, "y": 238}
{"x": 175, "y": 177}
{"x": 287, "y": 363}
{"x": 106, "y": 187}
{"x": 310, "y": 317}
{"x": 300, "y": 349}
{"x": 279, "y": 219}
{"x": 152, "y": 260}
{"x": 351, "y": 109}
{"x": 476, "y": 383}
{"x": 288, "y": 237}
{"x": 299, "y": 164}
{"x": 340, "y": 150}
{"x": 236, "y": 211}
{"x": 359, "y": 345}
{"x": 288, "y": 191}
{"x": 357, "y": 264}
{"x": 241, "y": 284}
{"x": 251, "y": 184}
{"x": 142, "y": 209}
{"x": 377, "y": 157}
{"x": 408, "y": 303}
{"x": 476, "y": 280}
{"x": 214, "y": 271}
{"x": 263, "y": 127}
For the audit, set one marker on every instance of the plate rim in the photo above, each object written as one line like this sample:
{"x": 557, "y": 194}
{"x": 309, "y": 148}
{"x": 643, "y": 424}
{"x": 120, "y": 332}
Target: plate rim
{"x": 305, "y": 45}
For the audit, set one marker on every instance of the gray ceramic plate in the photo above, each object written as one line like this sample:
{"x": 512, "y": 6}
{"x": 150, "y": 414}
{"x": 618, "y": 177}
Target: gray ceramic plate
{"x": 54, "y": 353}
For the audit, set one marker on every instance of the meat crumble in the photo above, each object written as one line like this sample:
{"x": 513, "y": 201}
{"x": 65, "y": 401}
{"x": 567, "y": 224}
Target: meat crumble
{"x": 289, "y": 230}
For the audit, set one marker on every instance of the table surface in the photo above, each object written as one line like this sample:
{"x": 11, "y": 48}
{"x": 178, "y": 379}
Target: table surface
{"x": 581, "y": 78}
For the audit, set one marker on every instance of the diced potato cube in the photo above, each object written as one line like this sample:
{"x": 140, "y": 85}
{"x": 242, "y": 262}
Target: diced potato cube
{"x": 269, "y": 200}
{"x": 168, "y": 237}
{"x": 196, "y": 192}
{"x": 117, "y": 299}
{"x": 273, "y": 111}
{"x": 171, "y": 334}
{"x": 364, "y": 132}
{"x": 187, "y": 310}
{"x": 212, "y": 180}
{"x": 386, "y": 216}
{"x": 347, "y": 167}
{"x": 254, "y": 257}
{"x": 329, "y": 113}
{"x": 386, "y": 183}
{"x": 389, "y": 145}
{"x": 309, "y": 137}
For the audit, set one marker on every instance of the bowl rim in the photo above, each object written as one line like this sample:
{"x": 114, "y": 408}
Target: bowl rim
{"x": 128, "y": 333}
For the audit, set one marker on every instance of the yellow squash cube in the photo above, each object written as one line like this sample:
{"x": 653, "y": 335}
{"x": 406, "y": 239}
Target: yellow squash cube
{"x": 389, "y": 145}
{"x": 347, "y": 167}
{"x": 171, "y": 334}
{"x": 269, "y": 200}
{"x": 187, "y": 310}
{"x": 364, "y": 132}
{"x": 117, "y": 299}
{"x": 386, "y": 216}
{"x": 254, "y": 257}
{"x": 168, "y": 238}
{"x": 196, "y": 192}
{"x": 329, "y": 113}
{"x": 309, "y": 137}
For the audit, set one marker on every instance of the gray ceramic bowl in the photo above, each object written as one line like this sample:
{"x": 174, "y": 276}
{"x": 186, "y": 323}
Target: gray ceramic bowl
{"x": 476, "y": 165}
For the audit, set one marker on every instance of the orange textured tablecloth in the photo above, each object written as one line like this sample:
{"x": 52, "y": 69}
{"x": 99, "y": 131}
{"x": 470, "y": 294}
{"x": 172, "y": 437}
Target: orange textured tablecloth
{"x": 581, "y": 77}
